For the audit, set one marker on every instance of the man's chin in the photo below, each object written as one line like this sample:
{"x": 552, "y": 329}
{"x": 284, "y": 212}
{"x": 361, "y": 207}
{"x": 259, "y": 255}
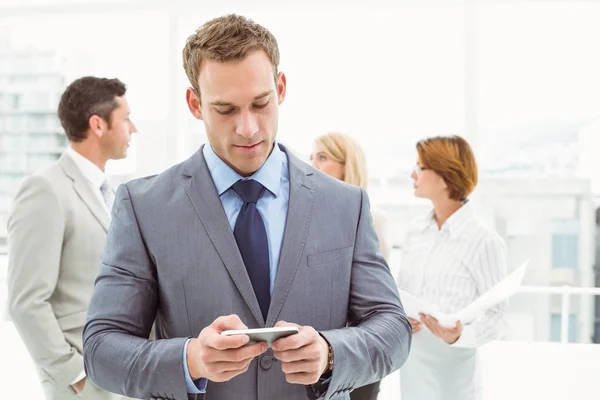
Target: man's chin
{"x": 120, "y": 156}
{"x": 250, "y": 167}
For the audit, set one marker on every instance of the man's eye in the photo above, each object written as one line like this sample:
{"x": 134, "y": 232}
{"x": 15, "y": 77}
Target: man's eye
{"x": 225, "y": 112}
{"x": 261, "y": 105}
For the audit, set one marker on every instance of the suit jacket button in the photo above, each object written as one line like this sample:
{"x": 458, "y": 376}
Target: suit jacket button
{"x": 266, "y": 362}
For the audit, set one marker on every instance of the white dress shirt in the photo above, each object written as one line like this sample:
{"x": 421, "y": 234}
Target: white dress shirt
{"x": 453, "y": 266}
{"x": 95, "y": 177}
{"x": 90, "y": 171}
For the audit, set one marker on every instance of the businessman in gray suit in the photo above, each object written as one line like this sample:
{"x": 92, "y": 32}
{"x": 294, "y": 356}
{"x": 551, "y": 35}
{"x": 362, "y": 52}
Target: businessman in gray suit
{"x": 242, "y": 234}
{"x": 56, "y": 235}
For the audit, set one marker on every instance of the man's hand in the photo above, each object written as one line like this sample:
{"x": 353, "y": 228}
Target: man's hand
{"x": 220, "y": 358}
{"x": 449, "y": 335}
{"x": 78, "y": 387}
{"x": 304, "y": 356}
{"x": 415, "y": 324}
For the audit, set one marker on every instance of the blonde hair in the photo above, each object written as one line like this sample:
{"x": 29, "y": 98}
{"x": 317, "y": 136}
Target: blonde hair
{"x": 227, "y": 39}
{"x": 346, "y": 151}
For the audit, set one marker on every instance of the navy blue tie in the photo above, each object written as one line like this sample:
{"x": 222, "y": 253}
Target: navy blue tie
{"x": 251, "y": 237}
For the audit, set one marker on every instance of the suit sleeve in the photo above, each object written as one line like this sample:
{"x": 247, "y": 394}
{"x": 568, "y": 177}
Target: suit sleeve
{"x": 35, "y": 232}
{"x": 378, "y": 337}
{"x": 117, "y": 353}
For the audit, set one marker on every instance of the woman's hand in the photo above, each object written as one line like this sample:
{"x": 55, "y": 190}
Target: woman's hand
{"x": 449, "y": 335}
{"x": 415, "y": 324}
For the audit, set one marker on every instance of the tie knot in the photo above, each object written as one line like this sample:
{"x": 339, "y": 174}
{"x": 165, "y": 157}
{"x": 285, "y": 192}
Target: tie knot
{"x": 249, "y": 190}
{"x": 108, "y": 195}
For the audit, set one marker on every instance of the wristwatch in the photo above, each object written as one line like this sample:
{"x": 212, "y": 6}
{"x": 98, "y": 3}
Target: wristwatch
{"x": 330, "y": 359}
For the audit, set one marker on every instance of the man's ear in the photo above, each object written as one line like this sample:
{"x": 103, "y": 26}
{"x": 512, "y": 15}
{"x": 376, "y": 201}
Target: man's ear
{"x": 97, "y": 125}
{"x": 281, "y": 83}
{"x": 193, "y": 102}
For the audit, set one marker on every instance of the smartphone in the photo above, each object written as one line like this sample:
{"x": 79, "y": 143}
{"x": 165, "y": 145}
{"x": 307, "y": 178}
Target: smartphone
{"x": 268, "y": 335}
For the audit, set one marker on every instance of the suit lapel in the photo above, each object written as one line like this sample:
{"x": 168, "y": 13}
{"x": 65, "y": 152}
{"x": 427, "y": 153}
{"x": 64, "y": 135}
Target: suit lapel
{"x": 84, "y": 190}
{"x": 203, "y": 194}
{"x": 300, "y": 210}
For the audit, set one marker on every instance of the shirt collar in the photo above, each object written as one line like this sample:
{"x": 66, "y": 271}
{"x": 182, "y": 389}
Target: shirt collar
{"x": 268, "y": 175}
{"x": 455, "y": 223}
{"x": 89, "y": 170}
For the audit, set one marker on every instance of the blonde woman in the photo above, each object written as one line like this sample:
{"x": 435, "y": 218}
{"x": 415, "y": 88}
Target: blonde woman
{"x": 342, "y": 158}
{"x": 450, "y": 257}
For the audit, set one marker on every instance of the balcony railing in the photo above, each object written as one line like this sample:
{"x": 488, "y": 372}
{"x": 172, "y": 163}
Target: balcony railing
{"x": 565, "y": 292}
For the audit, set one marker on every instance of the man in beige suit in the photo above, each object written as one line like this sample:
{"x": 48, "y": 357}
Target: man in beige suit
{"x": 57, "y": 231}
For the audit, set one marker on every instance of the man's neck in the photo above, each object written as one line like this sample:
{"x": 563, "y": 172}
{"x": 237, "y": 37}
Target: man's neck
{"x": 88, "y": 151}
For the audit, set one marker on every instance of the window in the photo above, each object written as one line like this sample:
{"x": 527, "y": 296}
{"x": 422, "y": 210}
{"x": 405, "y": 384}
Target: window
{"x": 42, "y": 55}
{"x": 537, "y": 84}
{"x": 565, "y": 243}
{"x": 555, "y": 323}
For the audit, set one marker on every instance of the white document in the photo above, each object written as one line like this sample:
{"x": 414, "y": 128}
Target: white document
{"x": 497, "y": 294}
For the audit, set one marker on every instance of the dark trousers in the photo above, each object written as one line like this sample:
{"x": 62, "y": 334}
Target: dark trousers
{"x": 368, "y": 392}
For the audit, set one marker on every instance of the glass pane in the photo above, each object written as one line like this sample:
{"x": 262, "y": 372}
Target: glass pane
{"x": 538, "y": 85}
{"x": 564, "y": 251}
{"x": 40, "y": 56}
{"x": 555, "y": 324}
{"x": 25, "y": 3}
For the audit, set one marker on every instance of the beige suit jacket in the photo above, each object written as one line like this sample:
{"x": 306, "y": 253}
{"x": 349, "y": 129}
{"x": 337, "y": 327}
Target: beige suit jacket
{"x": 56, "y": 235}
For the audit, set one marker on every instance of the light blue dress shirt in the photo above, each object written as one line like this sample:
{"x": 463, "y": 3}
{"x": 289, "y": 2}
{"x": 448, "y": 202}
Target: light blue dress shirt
{"x": 273, "y": 207}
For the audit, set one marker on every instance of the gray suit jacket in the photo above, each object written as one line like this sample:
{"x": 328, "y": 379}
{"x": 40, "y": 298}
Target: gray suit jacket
{"x": 171, "y": 254}
{"x": 56, "y": 235}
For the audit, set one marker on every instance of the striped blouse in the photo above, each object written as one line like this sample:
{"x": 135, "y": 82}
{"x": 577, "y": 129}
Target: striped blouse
{"x": 454, "y": 265}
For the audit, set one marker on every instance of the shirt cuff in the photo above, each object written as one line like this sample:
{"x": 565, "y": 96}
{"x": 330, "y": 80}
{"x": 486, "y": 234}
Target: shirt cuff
{"x": 320, "y": 388}
{"x": 324, "y": 381}
{"x": 192, "y": 386}
{"x": 79, "y": 377}
{"x": 467, "y": 338}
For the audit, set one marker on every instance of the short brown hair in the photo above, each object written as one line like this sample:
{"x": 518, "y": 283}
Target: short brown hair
{"x": 227, "y": 39}
{"x": 85, "y": 97}
{"x": 452, "y": 158}
{"x": 345, "y": 150}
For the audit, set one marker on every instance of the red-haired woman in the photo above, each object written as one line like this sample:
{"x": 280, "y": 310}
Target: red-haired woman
{"x": 450, "y": 258}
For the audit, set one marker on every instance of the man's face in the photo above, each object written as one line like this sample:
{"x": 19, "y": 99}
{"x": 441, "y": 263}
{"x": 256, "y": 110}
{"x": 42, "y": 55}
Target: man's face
{"x": 115, "y": 140}
{"x": 240, "y": 109}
